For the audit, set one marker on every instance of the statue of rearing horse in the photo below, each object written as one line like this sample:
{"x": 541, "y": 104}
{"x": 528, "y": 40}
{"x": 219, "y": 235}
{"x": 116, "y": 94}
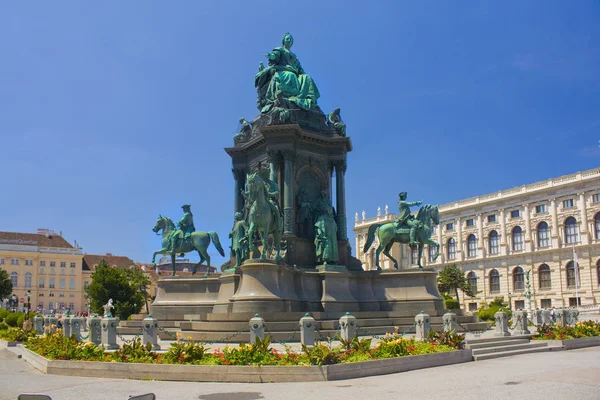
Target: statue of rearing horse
{"x": 389, "y": 233}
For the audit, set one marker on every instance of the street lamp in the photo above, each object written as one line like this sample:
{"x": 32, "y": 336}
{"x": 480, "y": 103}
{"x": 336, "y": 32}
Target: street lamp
{"x": 28, "y": 304}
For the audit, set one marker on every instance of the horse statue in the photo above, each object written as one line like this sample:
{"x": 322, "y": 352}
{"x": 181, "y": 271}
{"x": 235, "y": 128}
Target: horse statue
{"x": 261, "y": 217}
{"x": 389, "y": 233}
{"x": 197, "y": 241}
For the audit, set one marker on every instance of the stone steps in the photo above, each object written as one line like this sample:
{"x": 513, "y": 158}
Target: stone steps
{"x": 509, "y": 353}
{"x": 503, "y": 346}
{"x": 483, "y": 345}
{"x": 507, "y": 347}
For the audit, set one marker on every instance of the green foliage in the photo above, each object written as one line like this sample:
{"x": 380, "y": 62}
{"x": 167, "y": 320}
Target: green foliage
{"x": 12, "y": 319}
{"x": 20, "y": 321}
{"x": 321, "y": 354}
{"x": 6, "y": 286}
{"x": 55, "y": 346}
{"x": 185, "y": 353}
{"x": 140, "y": 282}
{"x": 559, "y": 332}
{"x": 3, "y": 314}
{"x": 451, "y": 302}
{"x": 449, "y": 338}
{"x": 113, "y": 283}
{"x": 134, "y": 352}
{"x": 451, "y": 278}
{"x": 487, "y": 311}
{"x": 3, "y": 326}
{"x": 16, "y": 335}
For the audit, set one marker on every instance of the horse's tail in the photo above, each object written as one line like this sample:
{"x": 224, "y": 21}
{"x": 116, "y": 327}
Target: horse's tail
{"x": 370, "y": 236}
{"x": 215, "y": 239}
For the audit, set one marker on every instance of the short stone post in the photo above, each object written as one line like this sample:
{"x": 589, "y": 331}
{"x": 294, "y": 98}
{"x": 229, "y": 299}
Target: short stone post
{"x": 423, "y": 326}
{"x": 52, "y": 324}
{"x": 347, "y": 326}
{"x": 76, "y": 328}
{"x": 94, "y": 330}
{"x": 257, "y": 328}
{"x": 307, "y": 330}
{"x": 150, "y": 332}
{"x": 109, "y": 333}
{"x": 537, "y": 318}
{"x": 501, "y": 324}
{"x": 66, "y": 323}
{"x": 449, "y": 322}
{"x": 38, "y": 325}
{"x": 520, "y": 320}
{"x": 547, "y": 317}
{"x": 561, "y": 316}
{"x": 572, "y": 316}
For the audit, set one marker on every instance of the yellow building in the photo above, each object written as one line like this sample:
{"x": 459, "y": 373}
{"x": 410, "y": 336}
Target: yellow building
{"x": 519, "y": 243}
{"x": 47, "y": 266}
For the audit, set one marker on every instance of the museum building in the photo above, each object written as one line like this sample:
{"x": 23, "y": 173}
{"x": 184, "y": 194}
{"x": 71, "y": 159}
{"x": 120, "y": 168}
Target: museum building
{"x": 521, "y": 244}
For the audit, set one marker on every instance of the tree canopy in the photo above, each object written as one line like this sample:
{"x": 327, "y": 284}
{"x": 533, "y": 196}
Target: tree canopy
{"x": 114, "y": 283}
{"x": 451, "y": 278}
{"x": 6, "y": 286}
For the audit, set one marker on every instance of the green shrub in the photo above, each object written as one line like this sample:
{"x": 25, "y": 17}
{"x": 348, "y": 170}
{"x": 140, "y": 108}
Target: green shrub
{"x": 3, "y": 326}
{"x": 452, "y": 304}
{"x": 20, "y": 321}
{"x": 3, "y": 314}
{"x": 12, "y": 319}
{"x": 487, "y": 311}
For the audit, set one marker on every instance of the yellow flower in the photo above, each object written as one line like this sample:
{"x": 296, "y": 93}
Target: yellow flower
{"x": 189, "y": 338}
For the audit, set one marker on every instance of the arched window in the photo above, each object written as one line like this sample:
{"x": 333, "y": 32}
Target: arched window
{"x": 494, "y": 281}
{"x": 518, "y": 279}
{"x": 472, "y": 245}
{"x": 544, "y": 277}
{"x": 517, "y": 239}
{"x": 572, "y": 278}
{"x": 432, "y": 250}
{"x": 543, "y": 235}
{"x": 14, "y": 278}
{"x": 494, "y": 243}
{"x": 472, "y": 280}
{"x": 451, "y": 249}
{"x": 571, "y": 231}
{"x": 597, "y": 220}
{"x": 28, "y": 279}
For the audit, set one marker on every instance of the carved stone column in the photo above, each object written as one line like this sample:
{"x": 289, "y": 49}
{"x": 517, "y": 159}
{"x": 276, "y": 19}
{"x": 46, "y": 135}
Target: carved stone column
{"x": 340, "y": 196}
{"x": 481, "y": 250}
{"x": 554, "y": 231}
{"x": 584, "y": 220}
{"x": 239, "y": 177}
{"x": 528, "y": 245}
{"x": 459, "y": 240}
{"x": 288, "y": 193}
{"x": 502, "y": 232}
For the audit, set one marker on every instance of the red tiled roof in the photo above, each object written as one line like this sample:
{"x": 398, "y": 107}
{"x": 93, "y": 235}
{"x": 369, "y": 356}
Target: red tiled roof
{"x": 34, "y": 239}
{"x": 91, "y": 260}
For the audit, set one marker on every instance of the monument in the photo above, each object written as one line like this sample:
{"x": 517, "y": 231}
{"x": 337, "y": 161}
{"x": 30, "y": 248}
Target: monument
{"x": 290, "y": 252}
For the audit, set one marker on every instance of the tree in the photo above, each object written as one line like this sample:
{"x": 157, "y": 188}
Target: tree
{"x": 140, "y": 282}
{"x": 6, "y": 286}
{"x": 451, "y": 278}
{"x": 113, "y": 283}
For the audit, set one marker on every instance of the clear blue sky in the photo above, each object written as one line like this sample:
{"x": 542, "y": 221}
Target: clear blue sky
{"x": 113, "y": 112}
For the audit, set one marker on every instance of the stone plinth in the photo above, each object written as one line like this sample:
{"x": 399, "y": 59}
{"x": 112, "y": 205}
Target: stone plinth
{"x": 411, "y": 290}
{"x": 336, "y": 295}
{"x": 177, "y": 296}
{"x": 230, "y": 282}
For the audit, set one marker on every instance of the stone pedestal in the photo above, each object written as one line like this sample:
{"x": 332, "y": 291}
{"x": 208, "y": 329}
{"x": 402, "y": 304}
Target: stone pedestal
{"x": 423, "y": 326}
{"x": 309, "y": 289}
{"x": 336, "y": 295}
{"x": 449, "y": 322}
{"x": 95, "y": 330}
{"x": 547, "y": 317}
{"x": 66, "y": 323}
{"x": 109, "y": 333}
{"x": 410, "y": 291}
{"x": 520, "y": 323}
{"x": 38, "y": 324}
{"x": 537, "y": 317}
{"x": 347, "y": 326}
{"x": 177, "y": 296}
{"x": 150, "y": 332}
{"x": 265, "y": 287}
{"x": 361, "y": 287}
{"x": 76, "y": 327}
{"x": 27, "y": 325}
{"x": 501, "y": 324}
{"x": 51, "y": 323}
{"x": 257, "y": 328}
{"x": 572, "y": 316}
{"x": 562, "y": 316}
{"x": 307, "y": 330}
{"x": 230, "y": 282}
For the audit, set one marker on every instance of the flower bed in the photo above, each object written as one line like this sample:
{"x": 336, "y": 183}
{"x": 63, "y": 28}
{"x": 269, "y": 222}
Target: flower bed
{"x": 558, "y": 332}
{"x": 16, "y": 335}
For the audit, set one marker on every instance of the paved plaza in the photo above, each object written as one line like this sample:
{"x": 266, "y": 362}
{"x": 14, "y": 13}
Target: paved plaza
{"x": 547, "y": 376}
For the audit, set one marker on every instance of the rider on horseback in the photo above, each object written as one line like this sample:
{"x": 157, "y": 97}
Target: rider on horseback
{"x": 272, "y": 194}
{"x": 186, "y": 227}
{"x": 406, "y": 218}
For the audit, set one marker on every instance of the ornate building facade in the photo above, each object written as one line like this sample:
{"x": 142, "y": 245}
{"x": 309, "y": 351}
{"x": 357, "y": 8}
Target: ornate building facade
{"x": 522, "y": 244}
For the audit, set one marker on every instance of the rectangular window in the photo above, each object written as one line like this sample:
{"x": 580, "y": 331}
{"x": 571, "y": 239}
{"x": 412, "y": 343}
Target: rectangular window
{"x": 51, "y": 294}
{"x": 52, "y": 263}
{"x": 63, "y": 264}
{"x": 515, "y": 214}
{"x": 61, "y": 283}
{"x": 494, "y": 284}
{"x": 471, "y": 222}
{"x": 28, "y": 262}
{"x": 519, "y": 304}
{"x": 492, "y": 218}
{"x": 62, "y": 305}
{"x": 51, "y": 284}
{"x": 540, "y": 209}
{"x": 545, "y": 278}
{"x": 71, "y": 283}
{"x": 41, "y": 283}
{"x": 568, "y": 203}
{"x": 472, "y": 248}
{"x": 473, "y": 307}
{"x": 61, "y": 295}
{"x": 85, "y": 285}
{"x": 546, "y": 303}
{"x": 494, "y": 245}
{"x": 40, "y": 294}
{"x": 543, "y": 235}
{"x": 72, "y": 265}
{"x": 42, "y": 263}
{"x": 51, "y": 305}
{"x": 450, "y": 226}
{"x": 71, "y": 294}
{"x": 517, "y": 244}
{"x": 14, "y": 261}
{"x": 71, "y": 306}
{"x": 596, "y": 198}
{"x": 451, "y": 250}
{"x": 573, "y": 301}
{"x": 1, "y": 261}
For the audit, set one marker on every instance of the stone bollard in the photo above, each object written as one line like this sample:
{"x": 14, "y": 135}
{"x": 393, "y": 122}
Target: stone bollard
{"x": 501, "y": 324}
{"x": 347, "y": 326}
{"x": 38, "y": 324}
{"x": 109, "y": 333}
{"x": 257, "y": 328}
{"x": 572, "y": 316}
{"x": 52, "y": 324}
{"x": 547, "y": 317}
{"x": 76, "y": 325}
{"x": 537, "y": 318}
{"x": 561, "y": 316}
{"x": 94, "y": 330}
{"x": 66, "y": 323}
{"x": 307, "y": 330}
{"x": 520, "y": 320}
{"x": 150, "y": 332}
{"x": 449, "y": 322}
{"x": 423, "y": 326}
